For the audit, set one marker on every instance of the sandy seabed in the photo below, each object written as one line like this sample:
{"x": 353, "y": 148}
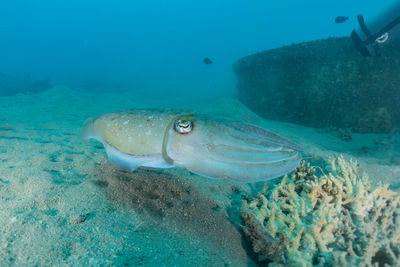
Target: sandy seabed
{"x": 63, "y": 203}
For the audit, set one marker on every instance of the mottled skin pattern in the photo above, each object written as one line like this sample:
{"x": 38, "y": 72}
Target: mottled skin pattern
{"x": 135, "y": 132}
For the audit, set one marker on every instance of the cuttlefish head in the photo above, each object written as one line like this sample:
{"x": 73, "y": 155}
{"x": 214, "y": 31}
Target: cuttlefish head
{"x": 233, "y": 150}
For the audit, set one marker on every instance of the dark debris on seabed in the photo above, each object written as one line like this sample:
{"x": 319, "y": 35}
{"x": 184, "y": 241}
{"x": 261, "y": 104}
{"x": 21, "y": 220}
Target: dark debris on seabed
{"x": 167, "y": 201}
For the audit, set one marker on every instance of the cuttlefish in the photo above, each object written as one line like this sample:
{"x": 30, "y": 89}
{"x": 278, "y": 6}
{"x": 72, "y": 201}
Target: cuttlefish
{"x": 207, "y": 146}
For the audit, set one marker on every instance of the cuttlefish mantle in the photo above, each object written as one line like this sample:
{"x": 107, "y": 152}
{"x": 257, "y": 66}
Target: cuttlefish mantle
{"x": 206, "y": 146}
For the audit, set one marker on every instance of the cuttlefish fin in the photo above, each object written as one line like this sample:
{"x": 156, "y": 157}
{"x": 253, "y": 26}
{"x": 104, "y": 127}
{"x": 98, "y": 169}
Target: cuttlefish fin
{"x": 88, "y": 131}
{"x": 122, "y": 160}
{"x": 132, "y": 162}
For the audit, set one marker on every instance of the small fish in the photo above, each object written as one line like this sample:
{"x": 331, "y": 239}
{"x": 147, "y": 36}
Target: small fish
{"x": 207, "y": 61}
{"x": 341, "y": 19}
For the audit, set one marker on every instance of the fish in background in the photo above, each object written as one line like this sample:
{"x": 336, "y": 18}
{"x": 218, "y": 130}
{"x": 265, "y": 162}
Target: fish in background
{"x": 207, "y": 61}
{"x": 341, "y": 19}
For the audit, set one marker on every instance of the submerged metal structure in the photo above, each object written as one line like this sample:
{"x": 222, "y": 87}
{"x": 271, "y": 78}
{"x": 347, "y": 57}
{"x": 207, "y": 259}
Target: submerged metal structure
{"x": 377, "y": 31}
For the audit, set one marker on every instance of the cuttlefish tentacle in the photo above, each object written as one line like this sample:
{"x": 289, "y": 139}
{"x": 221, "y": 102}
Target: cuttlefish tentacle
{"x": 250, "y": 143}
{"x": 260, "y": 136}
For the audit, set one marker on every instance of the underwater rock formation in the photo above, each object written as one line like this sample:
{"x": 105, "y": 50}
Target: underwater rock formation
{"x": 323, "y": 83}
{"x": 12, "y": 85}
{"x": 330, "y": 220}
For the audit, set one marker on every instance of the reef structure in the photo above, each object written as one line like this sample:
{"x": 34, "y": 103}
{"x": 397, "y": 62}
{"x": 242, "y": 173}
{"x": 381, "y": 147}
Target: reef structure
{"x": 13, "y": 84}
{"x": 326, "y": 220}
{"x": 323, "y": 83}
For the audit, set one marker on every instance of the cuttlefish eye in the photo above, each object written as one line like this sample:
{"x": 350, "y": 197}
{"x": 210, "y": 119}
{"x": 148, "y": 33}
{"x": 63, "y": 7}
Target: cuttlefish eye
{"x": 183, "y": 126}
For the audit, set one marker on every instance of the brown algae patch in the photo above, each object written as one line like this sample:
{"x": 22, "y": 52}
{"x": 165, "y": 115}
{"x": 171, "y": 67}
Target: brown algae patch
{"x": 165, "y": 201}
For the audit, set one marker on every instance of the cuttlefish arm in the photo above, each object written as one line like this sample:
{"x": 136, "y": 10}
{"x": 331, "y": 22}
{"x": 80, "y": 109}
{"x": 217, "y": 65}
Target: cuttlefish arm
{"x": 232, "y": 150}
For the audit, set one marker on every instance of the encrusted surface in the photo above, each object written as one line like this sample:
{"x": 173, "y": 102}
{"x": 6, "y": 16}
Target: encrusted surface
{"x": 334, "y": 219}
{"x": 323, "y": 83}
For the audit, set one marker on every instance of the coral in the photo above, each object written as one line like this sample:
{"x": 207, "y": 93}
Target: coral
{"x": 326, "y": 220}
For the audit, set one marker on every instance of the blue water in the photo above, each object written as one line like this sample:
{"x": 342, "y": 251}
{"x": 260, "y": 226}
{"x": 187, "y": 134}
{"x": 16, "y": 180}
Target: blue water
{"x": 159, "y": 45}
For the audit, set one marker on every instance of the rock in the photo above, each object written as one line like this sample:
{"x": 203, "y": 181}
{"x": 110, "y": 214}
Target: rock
{"x": 13, "y": 84}
{"x": 323, "y": 83}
